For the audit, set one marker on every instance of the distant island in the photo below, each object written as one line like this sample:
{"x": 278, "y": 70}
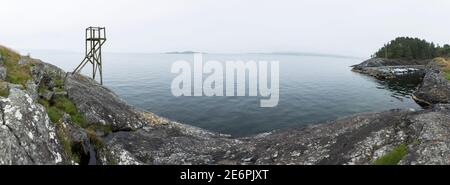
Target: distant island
{"x": 402, "y": 56}
{"x": 412, "y": 48}
{"x": 182, "y": 52}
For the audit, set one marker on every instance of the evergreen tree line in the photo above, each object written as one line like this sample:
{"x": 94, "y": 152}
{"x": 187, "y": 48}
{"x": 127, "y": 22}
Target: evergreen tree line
{"x": 412, "y": 48}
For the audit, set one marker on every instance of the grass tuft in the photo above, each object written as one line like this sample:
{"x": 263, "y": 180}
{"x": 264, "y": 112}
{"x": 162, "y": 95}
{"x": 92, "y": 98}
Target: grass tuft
{"x": 60, "y": 105}
{"x": 393, "y": 157}
{"x": 94, "y": 139}
{"x": 54, "y": 114}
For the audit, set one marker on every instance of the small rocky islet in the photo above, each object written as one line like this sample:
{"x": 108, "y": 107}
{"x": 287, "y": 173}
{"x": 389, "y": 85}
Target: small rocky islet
{"x": 49, "y": 116}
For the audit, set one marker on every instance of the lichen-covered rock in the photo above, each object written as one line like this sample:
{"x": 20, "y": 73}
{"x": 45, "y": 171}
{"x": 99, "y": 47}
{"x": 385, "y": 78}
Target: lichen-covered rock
{"x": 430, "y": 137}
{"x": 27, "y": 135}
{"x": 100, "y": 105}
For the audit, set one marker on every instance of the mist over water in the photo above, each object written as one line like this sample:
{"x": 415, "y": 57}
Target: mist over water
{"x": 312, "y": 89}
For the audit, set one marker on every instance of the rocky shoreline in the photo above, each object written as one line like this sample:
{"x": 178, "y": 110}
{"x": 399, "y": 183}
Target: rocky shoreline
{"x": 391, "y": 68}
{"x": 113, "y": 132}
{"x": 434, "y": 88}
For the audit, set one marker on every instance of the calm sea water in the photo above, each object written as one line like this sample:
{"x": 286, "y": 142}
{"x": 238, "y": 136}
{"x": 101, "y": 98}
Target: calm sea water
{"x": 312, "y": 89}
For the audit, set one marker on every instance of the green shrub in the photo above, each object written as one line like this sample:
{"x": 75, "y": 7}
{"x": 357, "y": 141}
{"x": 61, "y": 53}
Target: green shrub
{"x": 66, "y": 105}
{"x": 79, "y": 119}
{"x": 44, "y": 103}
{"x": 54, "y": 113}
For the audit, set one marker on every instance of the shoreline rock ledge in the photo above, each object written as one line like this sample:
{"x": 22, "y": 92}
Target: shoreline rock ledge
{"x": 382, "y": 68}
{"x": 114, "y": 132}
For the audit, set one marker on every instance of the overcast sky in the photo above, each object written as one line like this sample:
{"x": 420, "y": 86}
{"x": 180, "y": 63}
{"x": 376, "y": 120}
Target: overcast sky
{"x": 346, "y": 27}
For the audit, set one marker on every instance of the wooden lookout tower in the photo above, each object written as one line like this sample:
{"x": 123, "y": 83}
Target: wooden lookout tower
{"x": 95, "y": 38}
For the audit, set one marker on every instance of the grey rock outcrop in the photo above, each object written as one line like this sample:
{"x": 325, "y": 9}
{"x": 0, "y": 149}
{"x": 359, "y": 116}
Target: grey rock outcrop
{"x": 32, "y": 89}
{"x": 100, "y": 105}
{"x": 166, "y": 143}
{"x": 434, "y": 88}
{"x": 2, "y": 69}
{"x": 3, "y": 72}
{"x": 46, "y": 74}
{"x": 359, "y": 139}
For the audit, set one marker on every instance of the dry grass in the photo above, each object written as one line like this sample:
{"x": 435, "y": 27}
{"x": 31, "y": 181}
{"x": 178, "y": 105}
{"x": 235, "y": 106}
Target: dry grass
{"x": 153, "y": 119}
{"x": 17, "y": 74}
{"x": 445, "y": 66}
